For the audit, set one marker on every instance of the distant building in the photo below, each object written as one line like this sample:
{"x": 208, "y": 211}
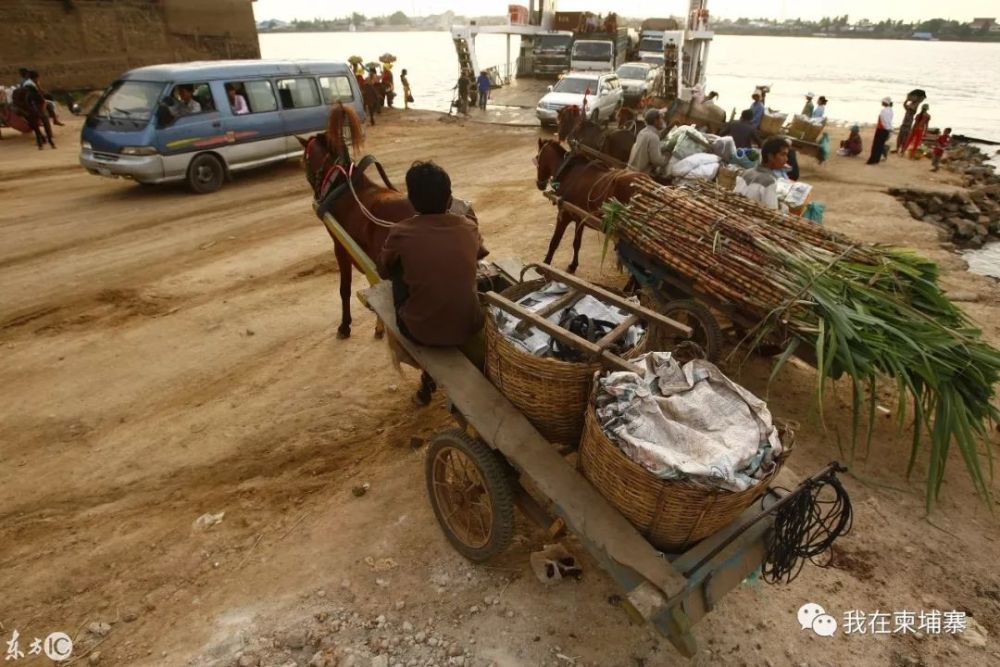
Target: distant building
{"x": 923, "y": 35}
{"x": 988, "y": 25}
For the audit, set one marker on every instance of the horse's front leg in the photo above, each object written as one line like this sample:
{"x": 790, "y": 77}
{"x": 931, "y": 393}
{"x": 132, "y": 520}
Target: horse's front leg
{"x": 562, "y": 220}
{"x": 577, "y": 240}
{"x": 346, "y": 269}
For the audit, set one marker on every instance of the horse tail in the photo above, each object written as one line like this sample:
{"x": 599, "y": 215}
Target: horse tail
{"x": 339, "y": 115}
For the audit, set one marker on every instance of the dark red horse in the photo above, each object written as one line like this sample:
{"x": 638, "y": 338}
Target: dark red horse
{"x": 614, "y": 143}
{"x": 580, "y": 181}
{"x": 365, "y": 209}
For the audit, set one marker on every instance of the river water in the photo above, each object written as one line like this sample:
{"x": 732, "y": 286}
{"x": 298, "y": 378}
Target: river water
{"x": 962, "y": 80}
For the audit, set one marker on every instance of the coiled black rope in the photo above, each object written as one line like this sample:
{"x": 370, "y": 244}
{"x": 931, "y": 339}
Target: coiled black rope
{"x": 805, "y": 528}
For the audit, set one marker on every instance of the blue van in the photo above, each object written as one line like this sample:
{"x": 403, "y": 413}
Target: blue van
{"x": 200, "y": 122}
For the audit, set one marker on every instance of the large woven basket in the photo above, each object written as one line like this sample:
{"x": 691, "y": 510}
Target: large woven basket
{"x": 671, "y": 514}
{"x": 772, "y": 123}
{"x": 552, "y": 394}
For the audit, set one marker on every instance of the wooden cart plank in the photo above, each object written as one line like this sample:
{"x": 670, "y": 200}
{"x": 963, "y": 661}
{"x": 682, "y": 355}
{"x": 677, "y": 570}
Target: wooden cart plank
{"x": 610, "y": 537}
{"x": 560, "y": 334}
{"x": 567, "y": 300}
{"x": 618, "y": 331}
{"x": 513, "y": 268}
{"x": 610, "y": 297}
{"x": 586, "y": 217}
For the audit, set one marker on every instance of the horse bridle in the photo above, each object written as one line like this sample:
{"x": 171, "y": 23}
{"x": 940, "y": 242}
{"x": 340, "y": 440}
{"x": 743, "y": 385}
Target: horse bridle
{"x": 325, "y": 175}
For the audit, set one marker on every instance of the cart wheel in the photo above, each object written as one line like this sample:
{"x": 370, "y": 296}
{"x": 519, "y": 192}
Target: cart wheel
{"x": 470, "y": 490}
{"x": 706, "y": 331}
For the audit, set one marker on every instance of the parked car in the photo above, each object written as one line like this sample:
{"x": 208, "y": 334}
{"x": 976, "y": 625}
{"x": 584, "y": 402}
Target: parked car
{"x": 603, "y": 93}
{"x": 636, "y": 79}
{"x": 143, "y": 130}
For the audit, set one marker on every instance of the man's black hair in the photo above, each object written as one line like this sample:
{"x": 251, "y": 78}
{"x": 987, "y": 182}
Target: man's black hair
{"x": 24, "y": 71}
{"x": 771, "y": 147}
{"x": 428, "y": 187}
{"x": 746, "y": 115}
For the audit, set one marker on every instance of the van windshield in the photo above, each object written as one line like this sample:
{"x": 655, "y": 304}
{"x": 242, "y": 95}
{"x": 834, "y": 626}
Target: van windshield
{"x": 600, "y": 50}
{"x": 651, "y": 44}
{"x": 130, "y": 100}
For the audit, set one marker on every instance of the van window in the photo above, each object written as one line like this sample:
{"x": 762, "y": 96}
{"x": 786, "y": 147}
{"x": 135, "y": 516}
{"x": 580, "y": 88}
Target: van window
{"x": 298, "y": 93}
{"x": 259, "y": 95}
{"x": 336, "y": 89}
{"x": 193, "y": 98}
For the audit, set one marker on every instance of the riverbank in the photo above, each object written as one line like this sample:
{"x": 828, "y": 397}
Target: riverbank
{"x": 170, "y": 355}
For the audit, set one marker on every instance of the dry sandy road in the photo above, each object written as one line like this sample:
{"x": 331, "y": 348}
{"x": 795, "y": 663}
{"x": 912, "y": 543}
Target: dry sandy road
{"x": 166, "y": 355}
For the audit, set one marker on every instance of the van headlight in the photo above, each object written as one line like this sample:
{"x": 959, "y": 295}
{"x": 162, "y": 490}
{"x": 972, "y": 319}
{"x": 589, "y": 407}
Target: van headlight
{"x": 85, "y": 145}
{"x": 139, "y": 150}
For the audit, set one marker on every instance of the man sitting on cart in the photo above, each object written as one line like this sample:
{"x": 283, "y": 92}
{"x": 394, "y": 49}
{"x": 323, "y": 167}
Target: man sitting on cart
{"x": 432, "y": 259}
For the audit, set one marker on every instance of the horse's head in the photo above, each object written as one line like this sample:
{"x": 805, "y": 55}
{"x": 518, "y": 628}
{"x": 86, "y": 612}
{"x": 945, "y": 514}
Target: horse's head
{"x": 549, "y": 158}
{"x": 326, "y": 156}
{"x": 567, "y": 121}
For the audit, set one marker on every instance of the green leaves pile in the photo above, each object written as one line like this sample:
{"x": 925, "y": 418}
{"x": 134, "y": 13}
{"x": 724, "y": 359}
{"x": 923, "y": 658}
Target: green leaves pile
{"x": 892, "y": 320}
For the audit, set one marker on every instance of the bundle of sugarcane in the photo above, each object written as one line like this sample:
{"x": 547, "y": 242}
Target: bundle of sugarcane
{"x": 869, "y": 311}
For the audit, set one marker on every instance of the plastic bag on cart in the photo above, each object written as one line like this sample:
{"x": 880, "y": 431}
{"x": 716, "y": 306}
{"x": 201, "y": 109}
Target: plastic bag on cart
{"x": 700, "y": 166}
{"x": 688, "y": 422}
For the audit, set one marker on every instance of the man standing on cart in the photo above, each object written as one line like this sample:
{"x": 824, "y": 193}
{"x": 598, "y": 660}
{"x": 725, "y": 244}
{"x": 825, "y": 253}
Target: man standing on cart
{"x": 432, "y": 259}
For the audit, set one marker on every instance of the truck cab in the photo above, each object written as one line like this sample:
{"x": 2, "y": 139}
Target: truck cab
{"x": 593, "y": 55}
{"x": 551, "y": 52}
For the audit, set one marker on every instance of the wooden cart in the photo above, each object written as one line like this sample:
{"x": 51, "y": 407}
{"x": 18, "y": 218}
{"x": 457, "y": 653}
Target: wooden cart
{"x": 494, "y": 460}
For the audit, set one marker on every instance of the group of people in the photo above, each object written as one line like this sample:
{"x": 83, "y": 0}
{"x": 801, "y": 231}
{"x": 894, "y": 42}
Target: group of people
{"x": 472, "y": 91}
{"x": 38, "y": 109}
{"x": 385, "y": 83}
{"x": 912, "y": 131}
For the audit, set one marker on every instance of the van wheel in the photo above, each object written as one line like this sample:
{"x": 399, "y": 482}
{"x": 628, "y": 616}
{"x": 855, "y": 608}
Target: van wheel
{"x": 596, "y": 115}
{"x": 205, "y": 174}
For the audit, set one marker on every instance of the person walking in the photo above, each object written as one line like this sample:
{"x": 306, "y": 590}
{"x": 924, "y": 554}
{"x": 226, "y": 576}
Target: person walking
{"x": 882, "y": 131}
{"x": 940, "y": 144}
{"x": 407, "y": 96}
{"x": 916, "y": 138}
{"x": 807, "y": 110}
{"x": 483, "y": 84}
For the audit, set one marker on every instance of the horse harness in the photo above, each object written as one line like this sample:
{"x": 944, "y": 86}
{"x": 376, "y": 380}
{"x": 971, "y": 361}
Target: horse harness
{"x": 327, "y": 194}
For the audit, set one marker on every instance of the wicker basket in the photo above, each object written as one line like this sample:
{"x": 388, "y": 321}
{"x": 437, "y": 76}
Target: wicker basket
{"x": 771, "y": 123}
{"x": 552, "y": 394}
{"x": 802, "y": 129}
{"x": 672, "y": 515}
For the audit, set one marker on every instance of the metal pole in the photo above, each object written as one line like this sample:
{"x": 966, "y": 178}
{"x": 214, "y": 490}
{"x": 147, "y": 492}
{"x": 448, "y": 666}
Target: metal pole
{"x": 508, "y": 59}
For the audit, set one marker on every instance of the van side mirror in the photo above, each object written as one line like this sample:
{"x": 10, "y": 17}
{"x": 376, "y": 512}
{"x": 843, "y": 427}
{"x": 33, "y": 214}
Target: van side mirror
{"x": 549, "y": 88}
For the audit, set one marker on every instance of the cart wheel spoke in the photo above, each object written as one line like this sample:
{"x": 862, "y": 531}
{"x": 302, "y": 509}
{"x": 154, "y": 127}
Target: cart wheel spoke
{"x": 470, "y": 490}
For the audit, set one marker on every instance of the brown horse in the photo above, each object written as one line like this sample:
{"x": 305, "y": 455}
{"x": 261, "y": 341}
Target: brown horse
{"x": 574, "y": 127}
{"x": 363, "y": 208}
{"x": 582, "y": 182}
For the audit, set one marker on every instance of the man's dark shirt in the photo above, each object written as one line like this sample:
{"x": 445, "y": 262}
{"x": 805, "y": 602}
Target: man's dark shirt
{"x": 432, "y": 261}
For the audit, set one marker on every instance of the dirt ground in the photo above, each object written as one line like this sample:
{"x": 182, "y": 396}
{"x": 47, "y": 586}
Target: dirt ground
{"x": 167, "y": 355}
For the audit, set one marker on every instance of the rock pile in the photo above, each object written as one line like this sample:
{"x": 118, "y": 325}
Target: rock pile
{"x": 969, "y": 218}
{"x": 971, "y": 163}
